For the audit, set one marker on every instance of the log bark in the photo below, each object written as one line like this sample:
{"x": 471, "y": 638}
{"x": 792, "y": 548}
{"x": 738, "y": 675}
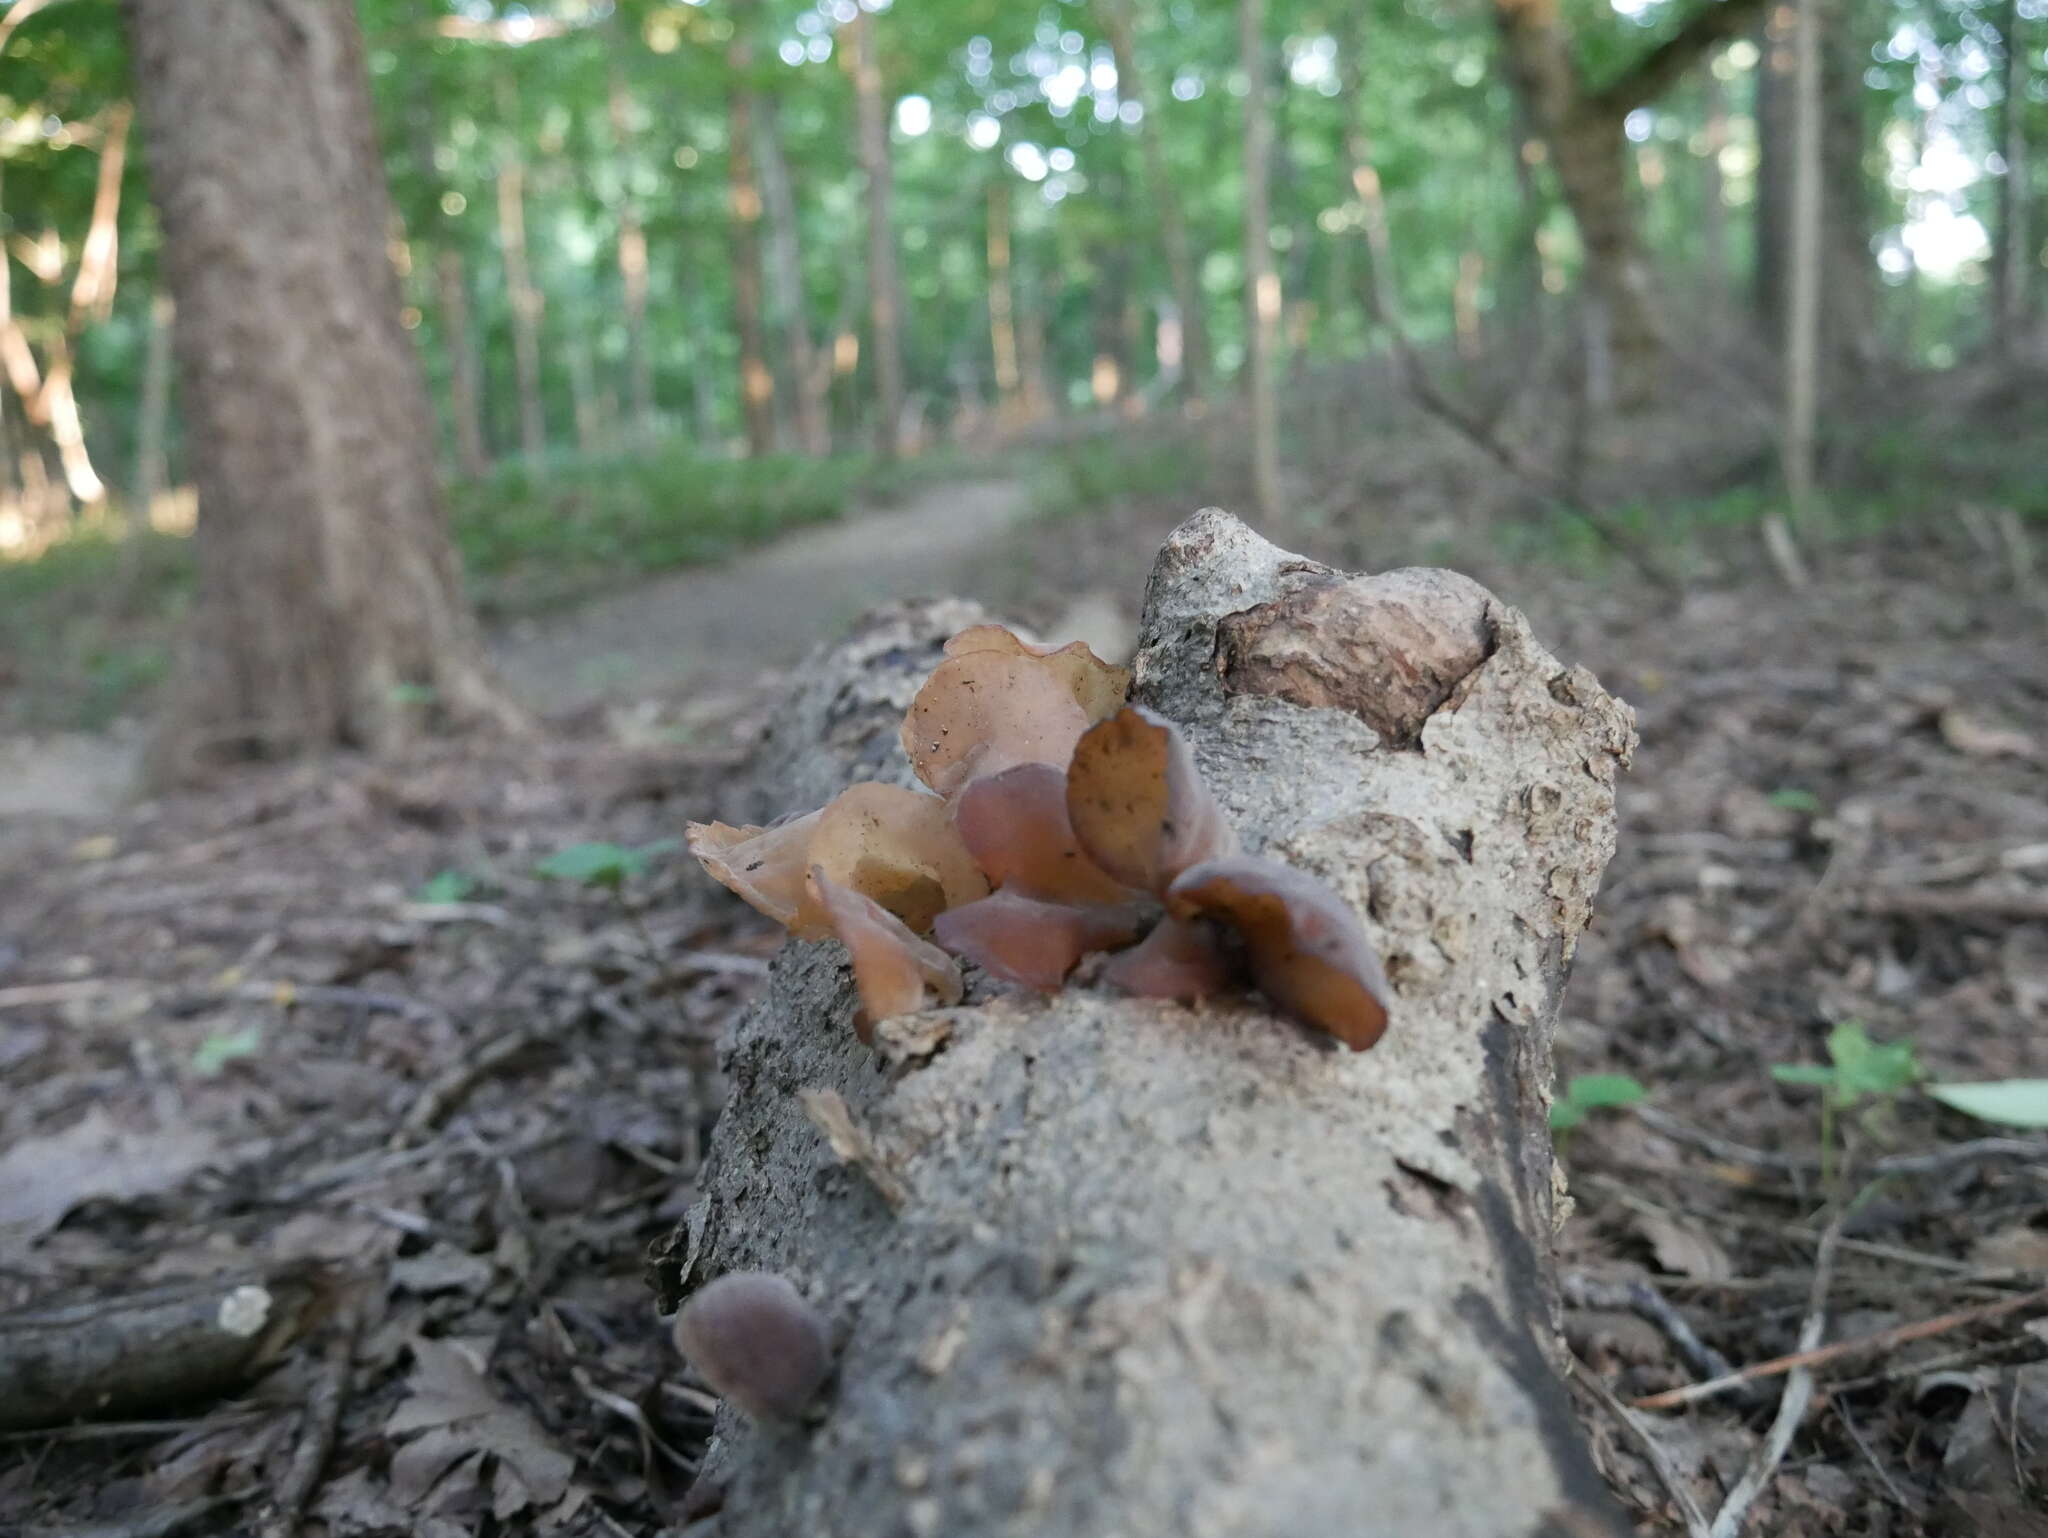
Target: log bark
{"x": 1168, "y": 1271}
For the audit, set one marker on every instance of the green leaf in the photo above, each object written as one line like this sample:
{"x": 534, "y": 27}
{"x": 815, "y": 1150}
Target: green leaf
{"x": 605, "y": 865}
{"x": 1803, "y": 1073}
{"x": 1564, "y": 1115}
{"x": 1792, "y": 799}
{"x": 1597, "y": 1090}
{"x": 2015, "y": 1102}
{"x": 412, "y": 694}
{"x": 448, "y": 886}
{"x": 223, "y": 1047}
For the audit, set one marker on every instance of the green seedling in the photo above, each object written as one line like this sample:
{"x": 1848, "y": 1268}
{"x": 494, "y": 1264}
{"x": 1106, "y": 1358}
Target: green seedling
{"x": 223, "y": 1047}
{"x": 448, "y": 886}
{"x": 1858, "y": 1069}
{"x": 1791, "y": 798}
{"x": 609, "y": 866}
{"x": 1587, "y": 1093}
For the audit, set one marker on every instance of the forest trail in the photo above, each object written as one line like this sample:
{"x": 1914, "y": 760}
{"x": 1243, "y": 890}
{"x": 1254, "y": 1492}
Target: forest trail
{"x": 763, "y": 609}
{"x": 698, "y": 627}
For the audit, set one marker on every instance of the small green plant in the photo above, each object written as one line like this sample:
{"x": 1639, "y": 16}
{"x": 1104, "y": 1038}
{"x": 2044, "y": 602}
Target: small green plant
{"x": 1590, "y": 1092}
{"x": 447, "y": 886}
{"x": 2010, "y": 1102}
{"x": 1791, "y": 798}
{"x": 1858, "y": 1069}
{"x": 609, "y": 866}
{"x": 223, "y": 1047}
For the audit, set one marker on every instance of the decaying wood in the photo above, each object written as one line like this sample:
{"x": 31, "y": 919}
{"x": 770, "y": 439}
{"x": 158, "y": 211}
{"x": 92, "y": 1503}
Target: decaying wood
{"x": 1172, "y": 1271}
{"x": 168, "y": 1346}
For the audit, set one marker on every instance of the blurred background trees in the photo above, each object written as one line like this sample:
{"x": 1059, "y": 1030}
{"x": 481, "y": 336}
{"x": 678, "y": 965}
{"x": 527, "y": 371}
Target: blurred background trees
{"x": 818, "y": 230}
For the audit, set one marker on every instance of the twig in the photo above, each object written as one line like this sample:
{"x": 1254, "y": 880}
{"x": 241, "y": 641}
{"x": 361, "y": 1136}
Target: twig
{"x": 152, "y": 1521}
{"x": 451, "y": 1087}
{"x": 1652, "y": 1450}
{"x": 1645, "y": 1301}
{"x": 323, "y": 1416}
{"x": 2000, "y": 902}
{"x": 1798, "y": 1393}
{"x": 1935, "y": 1162}
{"x": 1811, "y": 1356}
{"x": 1883, "y": 1474}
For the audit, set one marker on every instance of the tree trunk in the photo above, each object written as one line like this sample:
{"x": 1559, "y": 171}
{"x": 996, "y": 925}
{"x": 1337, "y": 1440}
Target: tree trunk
{"x": 1772, "y": 221}
{"x": 757, "y": 380}
{"x": 465, "y": 393}
{"x": 632, "y": 265}
{"x": 525, "y": 300}
{"x": 1160, "y": 1271}
{"x": 1802, "y": 333}
{"x": 2013, "y": 260}
{"x": 330, "y": 611}
{"x": 1002, "y": 304}
{"x": 1713, "y": 199}
{"x": 1848, "y": 300}
{"x": 1261, "y": 283}
{"x": 1166, "y": 206}
{"x": 152, "y": 426}
{"x": 810, "y": 375}
{"x": 884, "y": 290}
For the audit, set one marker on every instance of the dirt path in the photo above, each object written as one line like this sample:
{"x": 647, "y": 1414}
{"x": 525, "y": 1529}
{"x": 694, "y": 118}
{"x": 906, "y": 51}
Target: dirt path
{"x": 700, "y": 627}
{"x": 764, "y": 609}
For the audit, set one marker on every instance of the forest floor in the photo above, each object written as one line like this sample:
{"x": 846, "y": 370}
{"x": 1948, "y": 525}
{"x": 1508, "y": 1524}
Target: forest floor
{"x": 330, "y": 1031}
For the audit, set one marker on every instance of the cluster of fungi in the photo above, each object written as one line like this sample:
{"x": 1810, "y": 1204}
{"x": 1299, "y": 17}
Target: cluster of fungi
{"x": 1059, "y": 821}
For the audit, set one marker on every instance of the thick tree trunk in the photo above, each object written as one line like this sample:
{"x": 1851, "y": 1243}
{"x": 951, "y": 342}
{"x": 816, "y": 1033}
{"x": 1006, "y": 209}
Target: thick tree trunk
{"x": 330, "y": 611}
{"x": 2012, "y": 260}
{"x": 757, "y": 380}
{"x": 1160, "y": 1271}
{"x": 1261, "y": 282}
{"x": 1165, "y": 196}
{"x": 1848, "y": 307}
{"x": 810, "y": 375}
{"x": 884, "y": 290}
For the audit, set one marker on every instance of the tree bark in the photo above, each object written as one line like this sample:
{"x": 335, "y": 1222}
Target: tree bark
{"x": 1261, "y": 282}
{"x": 1002, "y": 305}
{"x": 1167, "y": 1271}
{"x": 757, "y": 380}
{"x": 2013, "y": 259}
{"x": 1713, "y": 199}
{"x": 1173, "y": 229}
{"x": 810, "y": 374}
{"x": 1848, "y": 301}
{"x": 330, "y": 611}
{"x": 154, "y": 418}
{"x": 884, "y": 289}
{"x": 465, "y": 391}
{"x": 1771, "y": 225}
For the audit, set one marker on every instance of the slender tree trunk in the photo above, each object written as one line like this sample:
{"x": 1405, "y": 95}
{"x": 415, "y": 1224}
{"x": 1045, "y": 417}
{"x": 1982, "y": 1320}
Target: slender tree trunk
{"x": 1713, "y": 200}
{"x": 1848, "y": 300}
{"x": 757, "y": 380}
{"x": 154, "y": 419}
{"x": 1181, "y": 268}
{"x": 330, "y": 611}
{"x": 810, "y": 375}
{"x": 1802, "y": 340}
{"x": 703, "y": 355}
{"x": 884, "y": 290}
{"x": 632, "y": 263}
{"x": 583, "y": 402}
{"x": 525, "y": 298}
{"x": 2013, "y": 258}
{"x": 1002, "y": 304}
{"x": 465, "y": 393}
{"x": 1772, "y": 219}
{"x": 1261, "y": 283}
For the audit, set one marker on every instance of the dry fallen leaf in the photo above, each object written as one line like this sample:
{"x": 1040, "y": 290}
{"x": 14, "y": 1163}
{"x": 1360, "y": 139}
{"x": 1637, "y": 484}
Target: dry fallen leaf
{"x": 1683, "y": 1248}
{"x": 451, "y": 1404}
{"x": 43, "y": 1178}
{"x": 1975, "y": 737}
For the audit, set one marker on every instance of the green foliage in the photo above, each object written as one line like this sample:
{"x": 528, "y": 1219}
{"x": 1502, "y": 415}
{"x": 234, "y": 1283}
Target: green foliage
{"x": 1791, "y": 798}
{"x": 223, "y": 1047}
{"x": 1858, "y": 1067}
{"x": 1589, "y": 1092}
{"x": 448, "y": 886}
{"x": 2010, "y": 1102}
{"x": 609, "y": 866}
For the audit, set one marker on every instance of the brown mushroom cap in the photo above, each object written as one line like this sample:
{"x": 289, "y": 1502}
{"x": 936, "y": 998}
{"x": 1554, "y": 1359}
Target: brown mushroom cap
{"x": 1036, "y": 944}
{"x": 984, "y": 711}
{"x": 1185, "y": 959}
{"x": 1098, "y": 687}
{"x": 1307, "y": 952}
{"x": 892, "y": 967}
{"x": 755, "y": 1340}
{"x": 1137, "y": 803}
{"x": 1015, "y": 825}
{"x": 892, "y": 844}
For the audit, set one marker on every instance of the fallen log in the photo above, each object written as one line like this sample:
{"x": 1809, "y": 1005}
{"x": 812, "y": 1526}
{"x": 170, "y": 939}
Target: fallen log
{"x": 1101, "y": 1265}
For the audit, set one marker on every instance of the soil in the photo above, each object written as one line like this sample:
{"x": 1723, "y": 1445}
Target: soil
{"x": 242, "y": 1037}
